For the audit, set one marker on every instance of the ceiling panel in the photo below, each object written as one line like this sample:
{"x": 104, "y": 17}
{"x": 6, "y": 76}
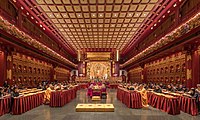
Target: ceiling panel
{"x": 97, "y": 23}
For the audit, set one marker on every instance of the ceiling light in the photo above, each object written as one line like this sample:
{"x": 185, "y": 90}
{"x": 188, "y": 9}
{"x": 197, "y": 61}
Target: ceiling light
{"x": 27, "y": 13}
{"x": 36, "y": 21}
{"x": 154, "y": 24}
{"x": 100, "y": 15}
{"x": 115, "y": 15}
{"x": 50, "y": 15}
{"x": 174, "y": 5}
{"x": 22, "y": 8}
{"x": 144, "y": 14}
{"x": 32, "y": 17}
{"x": 40, "y": 25}
{"x": 168, "y": 11}
{"x": 43, "y": 28}
{"x": 130, "y": 14}
{"x": 163, "y": 16}
{"x": 79, "y": 15}
{"x": 158, "y": 20}
{"x": 151, "y": 27}
{"x": 93, "y": 15}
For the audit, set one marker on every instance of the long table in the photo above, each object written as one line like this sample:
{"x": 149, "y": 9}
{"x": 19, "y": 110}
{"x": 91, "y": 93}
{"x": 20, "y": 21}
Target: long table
{"x": 4, "y": 105}
{"x": 188, "y": 105}
{"x": 62, "y": 97}
{"x": 131, "y": 99}
{"x": 23, "y": 104}
{"x": 164, "y": 103}
{"x": 113, "y": 86}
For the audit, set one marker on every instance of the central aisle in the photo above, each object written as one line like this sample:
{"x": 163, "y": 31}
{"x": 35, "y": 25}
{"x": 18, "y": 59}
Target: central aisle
{"x": 68, "y": 112}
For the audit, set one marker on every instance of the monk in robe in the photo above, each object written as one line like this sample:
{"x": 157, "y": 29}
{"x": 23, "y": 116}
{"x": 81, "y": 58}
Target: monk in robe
{"x": 143, "y": 93}
{"x": 48, "y": 94}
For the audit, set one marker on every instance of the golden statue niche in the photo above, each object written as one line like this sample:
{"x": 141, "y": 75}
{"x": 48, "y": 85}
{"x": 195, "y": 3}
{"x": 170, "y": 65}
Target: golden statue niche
{"x": 100, "y": 70}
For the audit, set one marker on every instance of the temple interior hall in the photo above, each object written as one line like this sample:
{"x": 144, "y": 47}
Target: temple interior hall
{"x": 99, "y": 59}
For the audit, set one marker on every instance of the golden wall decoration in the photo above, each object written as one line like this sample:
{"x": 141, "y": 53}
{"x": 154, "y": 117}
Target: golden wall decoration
{"x": 9, "y": 74}
{"x": 99, "y": 70}
{"x": 189, "y": 74}
{"x": 98, "y": 55}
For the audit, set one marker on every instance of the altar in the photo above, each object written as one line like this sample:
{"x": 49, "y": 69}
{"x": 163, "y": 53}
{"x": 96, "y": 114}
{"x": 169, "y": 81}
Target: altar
{"x": 96, "y": 89}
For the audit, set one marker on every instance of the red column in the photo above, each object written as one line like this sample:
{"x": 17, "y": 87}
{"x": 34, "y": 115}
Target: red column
{"x": 195, "y": 68}
{"x": 117, "y": 68}
{"x": 188, "y": 63}
{"x": 80, "y": 68}
{"x": 9, "y": 67}
{"x": 2, "y": 67}
{"x": 144, "y": 76}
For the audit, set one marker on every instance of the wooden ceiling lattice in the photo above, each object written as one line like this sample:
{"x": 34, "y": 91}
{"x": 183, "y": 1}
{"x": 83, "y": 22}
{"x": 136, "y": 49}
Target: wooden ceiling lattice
{"x": 96, "y": 23}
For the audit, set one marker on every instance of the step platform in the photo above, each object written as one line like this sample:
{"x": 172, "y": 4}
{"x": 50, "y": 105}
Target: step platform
{"x": 96, "y": 98}
{"x": 95, "y": 108}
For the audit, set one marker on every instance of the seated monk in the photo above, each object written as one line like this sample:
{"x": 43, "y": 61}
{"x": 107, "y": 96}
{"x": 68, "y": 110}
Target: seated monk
{"x": 48, "y": 94}
{"x": 143, "y": 93}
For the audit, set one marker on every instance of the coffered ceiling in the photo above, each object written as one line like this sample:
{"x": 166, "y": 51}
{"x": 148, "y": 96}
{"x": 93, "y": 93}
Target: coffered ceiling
{"x": 96, "y": 23}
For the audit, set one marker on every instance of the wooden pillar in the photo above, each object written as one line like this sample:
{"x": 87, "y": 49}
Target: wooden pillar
{"x": 80, "y": 68}
{"x": 2, "y": 66}
{"x": 188, "y": 64}
{"x": 19, "y": 19}
{"x": 53, "y": 74}
{"x": 9, "y": 67}
{"x": 195, "y": 68}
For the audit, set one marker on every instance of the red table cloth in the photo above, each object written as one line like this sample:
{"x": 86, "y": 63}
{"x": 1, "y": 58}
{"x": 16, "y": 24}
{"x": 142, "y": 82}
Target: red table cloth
{"x": 136, "y": 100}
{"x": 83, "y": 86}
{"x": 188, "y": 105}
{"x": 113, "y": 86}
{"x": 169, "y": 105}
{"x": 5, "y": 105}
{"x": 60, "y": 98}
{"x": 131, "y": 99}
{"x": 26, "y": 103}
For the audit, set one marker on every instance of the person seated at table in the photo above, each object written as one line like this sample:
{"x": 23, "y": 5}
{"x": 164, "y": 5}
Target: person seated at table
{"x": 158, "y": 89}
{"x": 103, "y": 86}
{"x": 180, "y": 88}
{"x": 198, "y": 96}
{"x": 91, "y": 86}
{"x": 5, "y": 84}
{"x": 143, "y": 93}
{"x": 15, "y": 92}
{"x": 47, "y": 94}
{"x": 57, "y": 86}
{"x": 192, "y": 93}
{"x": 39, "y": 86}
{"x": 170, "y": 88}
{"x": 131, "y": 87}
{"x": 1, "y": 92}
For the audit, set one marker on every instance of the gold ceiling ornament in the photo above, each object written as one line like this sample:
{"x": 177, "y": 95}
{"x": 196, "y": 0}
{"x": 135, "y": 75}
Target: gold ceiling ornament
{"x": 102, "y": 24}
{"x": 98, "y": 55}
